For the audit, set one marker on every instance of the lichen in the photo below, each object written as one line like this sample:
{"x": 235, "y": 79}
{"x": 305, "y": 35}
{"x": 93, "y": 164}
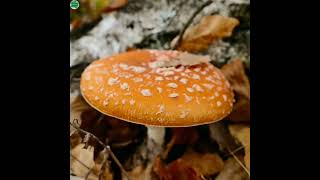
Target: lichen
{"x": 148, "y": 24}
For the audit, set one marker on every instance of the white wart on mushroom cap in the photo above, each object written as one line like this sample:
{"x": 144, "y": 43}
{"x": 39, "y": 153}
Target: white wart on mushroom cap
{"x": 160, "y": 88}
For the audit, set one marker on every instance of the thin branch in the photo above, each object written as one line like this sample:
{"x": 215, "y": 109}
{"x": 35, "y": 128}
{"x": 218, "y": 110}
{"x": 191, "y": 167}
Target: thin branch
{"x": 84, "y": 165}
{"x": 107, "y": 147}
{"x": 235, "y": 151}
{"x": 239, "y": 162}
{"x": 103, "y": 168}
{"x": 88, "y": 173}
{"x": 75, "y": 158}
{"x": 207, "y": 3}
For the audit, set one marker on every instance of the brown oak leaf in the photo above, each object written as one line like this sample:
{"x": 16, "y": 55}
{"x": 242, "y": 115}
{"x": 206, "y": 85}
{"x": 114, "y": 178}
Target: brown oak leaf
{"x": 176, "y": 170}
{"x": 232, "y": 171}
{"x": 235, "y": 73}
{"x": 210, "y": 29}
{"x": 206, "y": 164}
{"x": 242, "y": 133}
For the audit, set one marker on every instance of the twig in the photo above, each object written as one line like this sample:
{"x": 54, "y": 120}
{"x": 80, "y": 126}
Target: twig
{"x": 84, "y": 165}
{"x": 107, "y": 147}
{"x": 103, "y": 168}
{"x": 88, "y": 173}
{"x": 235, "y": 151}
{"x": 207, "y": 3}
{"x": 240, "y": 163}
{"x": 75, "y": 158}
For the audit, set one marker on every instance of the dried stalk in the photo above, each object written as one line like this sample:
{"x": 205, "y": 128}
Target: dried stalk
{"x": 88, "y": 173}
{"x": 90, "y": 169}
{"x": 75, "y": 158}
{"x": 107, "y": 147}
{"x": 235, "y": 151}
{"x": 207, "y": 3}
{"x": 103, "y": 168}
{"x": 239, "y": 162}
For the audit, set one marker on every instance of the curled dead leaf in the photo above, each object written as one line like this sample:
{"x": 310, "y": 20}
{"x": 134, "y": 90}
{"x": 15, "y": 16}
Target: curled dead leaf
{"x": 205, "y": 164}
{"x": 76, "y": 178}
{"x": 176, "y": 170}
{"x": 190, "y": 166}
{"x": 242, "y": 133}
{"x": 183, "y": 135}
{"x": 210, "y": 29}
{"x": 77, "y": 106}
{"x": 81, "y": 160}
{"x": 220, "y": 133}
{"x": 82, "y": 163}
{"x": 115, "y": 4}
{"x": 235, "y": 73}
{"x": 141, "y": 173}
{"x": 232, "y": 170}
{"x": 90, "y": 13}
{"x": 100, "y": 161}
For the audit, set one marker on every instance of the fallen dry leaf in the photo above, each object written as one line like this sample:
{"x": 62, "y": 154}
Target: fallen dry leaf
{"x": 91, "y": 11}
{"x": 140, "y": 173}
{"x": 82, "y": 160}
{"x": 183, "y": 135}
{"x": 77, "y": 106}
{"x": 235, "y": 73}
{"x": 176, "y": 170}
{"x": 232, "y": 171}
{"x": 206, "y": 164}
{"x": 242, "y": 133}
{"x": 220, "y": 133}
{"x": 210, "y": 29}
{"x": 190, "y": 166}
{"x": 107, "y": 174}
{"x": 115, "y": 4}
{"x": 76, "y": 178}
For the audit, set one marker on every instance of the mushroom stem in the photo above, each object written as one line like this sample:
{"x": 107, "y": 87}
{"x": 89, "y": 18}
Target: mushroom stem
{"x": 149, "y": 149}
{"x": 156, "y": 134}
{"x": 155, "y": 141}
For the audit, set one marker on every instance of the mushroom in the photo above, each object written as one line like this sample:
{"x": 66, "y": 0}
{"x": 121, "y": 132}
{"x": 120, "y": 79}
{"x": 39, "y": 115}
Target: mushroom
{"x": 158, "y": 89}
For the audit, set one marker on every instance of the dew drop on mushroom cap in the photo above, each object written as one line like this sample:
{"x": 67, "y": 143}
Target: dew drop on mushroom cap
{"x": 158, "y": 88}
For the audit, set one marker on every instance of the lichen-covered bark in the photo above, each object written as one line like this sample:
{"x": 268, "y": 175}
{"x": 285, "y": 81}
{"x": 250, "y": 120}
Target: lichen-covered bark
{"x": 153, "y": 24}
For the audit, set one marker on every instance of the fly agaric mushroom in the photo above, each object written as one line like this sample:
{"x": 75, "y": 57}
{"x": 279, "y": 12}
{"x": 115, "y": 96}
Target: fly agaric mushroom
{"x": 158, "y": 89}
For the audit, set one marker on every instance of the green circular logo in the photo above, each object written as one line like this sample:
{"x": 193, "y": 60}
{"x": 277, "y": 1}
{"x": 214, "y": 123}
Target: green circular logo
{"x": 74, "y": 4}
